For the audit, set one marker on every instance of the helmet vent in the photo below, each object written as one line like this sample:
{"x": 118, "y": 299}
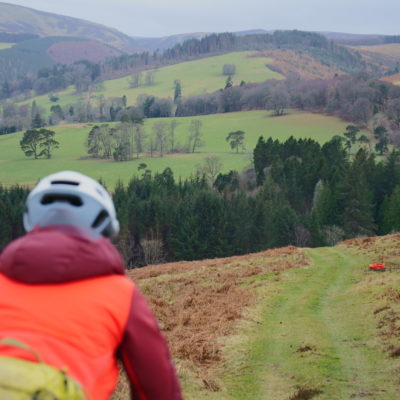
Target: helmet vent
{"x": 65, "y": 183}
{"x": 100, "y": 218}
{"x": 99, "y": 192}
{"x": 63, "y": 198}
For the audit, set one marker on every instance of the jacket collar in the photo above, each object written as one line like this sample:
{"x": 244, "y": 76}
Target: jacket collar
{"x": 59, "y": 254}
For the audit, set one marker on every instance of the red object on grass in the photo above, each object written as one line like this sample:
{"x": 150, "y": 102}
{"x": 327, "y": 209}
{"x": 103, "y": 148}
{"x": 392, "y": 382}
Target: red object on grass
{"x": 377, "y": 267}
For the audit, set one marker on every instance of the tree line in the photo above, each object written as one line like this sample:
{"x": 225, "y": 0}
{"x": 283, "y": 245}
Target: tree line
{"x": 366, "y": 102}
{"x": 298, "y": 193}
{"x": 357, "y": 98}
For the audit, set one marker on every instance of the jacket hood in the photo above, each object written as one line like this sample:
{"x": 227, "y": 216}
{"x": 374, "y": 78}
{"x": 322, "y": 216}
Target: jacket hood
{"x": 59, "y": 254}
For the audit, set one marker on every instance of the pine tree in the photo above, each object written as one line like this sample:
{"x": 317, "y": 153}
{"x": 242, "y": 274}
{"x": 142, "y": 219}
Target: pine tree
{"x": 177, "y": 91}
{"x": 391, "y": 212}
{"x": 356, "y": 199}
{"x": 228, "y": 82}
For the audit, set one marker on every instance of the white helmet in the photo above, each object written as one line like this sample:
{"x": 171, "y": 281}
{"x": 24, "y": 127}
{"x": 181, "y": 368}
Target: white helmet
{"x": 71, "y": 198}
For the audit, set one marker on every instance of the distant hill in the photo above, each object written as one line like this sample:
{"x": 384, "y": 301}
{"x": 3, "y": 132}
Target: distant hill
{"x": 17, "y": 20}
{"x": 167, "y": 42}
{"x": 30, "y": 56}
{"x": 353, "y": 38}
{"x": 386, "y": 55}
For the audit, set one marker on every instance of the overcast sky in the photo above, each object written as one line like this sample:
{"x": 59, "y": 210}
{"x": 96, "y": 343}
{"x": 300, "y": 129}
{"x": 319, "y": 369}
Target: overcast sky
{"x": 152, "y": 18}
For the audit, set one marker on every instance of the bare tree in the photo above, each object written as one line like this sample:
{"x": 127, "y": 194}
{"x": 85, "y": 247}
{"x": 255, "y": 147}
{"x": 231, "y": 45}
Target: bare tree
{"x": 160, "y": 130}
{"x": 229, "y": 69}
{"x": 333, "y": 234}
{"x": 278, "y": 101}
{"x": 210, "y": 168}
{"x": 139, "y": 136}
{"x": 122, "y": 143}
{"x": 171, "y": 134}
{"x": 150, "y": 78}
{"x": 135, "y": 80}
{"x": 302, "y": 236}
{"x": 195, "y": 135}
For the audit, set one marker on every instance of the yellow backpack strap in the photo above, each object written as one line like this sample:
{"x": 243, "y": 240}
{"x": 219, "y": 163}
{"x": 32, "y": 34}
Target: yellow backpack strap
{"x": 21, "y": 345}
{"x": 76, "y": 391}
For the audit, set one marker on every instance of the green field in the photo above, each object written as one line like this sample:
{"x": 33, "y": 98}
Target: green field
{"x": 197, "y": 77}
{"x": 16, "y": 168}
{"x": 4, "y": 46}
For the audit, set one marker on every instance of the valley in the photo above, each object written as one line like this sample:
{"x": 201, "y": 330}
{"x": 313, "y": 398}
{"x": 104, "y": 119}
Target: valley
{"x": 252, "y": 253}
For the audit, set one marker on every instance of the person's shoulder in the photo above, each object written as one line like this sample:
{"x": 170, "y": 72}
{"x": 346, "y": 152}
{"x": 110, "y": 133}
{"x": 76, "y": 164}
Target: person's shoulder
{"x": 119, "y": 284}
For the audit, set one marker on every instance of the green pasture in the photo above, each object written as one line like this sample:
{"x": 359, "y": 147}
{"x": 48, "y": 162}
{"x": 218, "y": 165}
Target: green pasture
{"x": 15, "y": 167}
{"x": 197, "y": 77}
{"x": 4, "y": 46}
{"x": 67, "y": 96}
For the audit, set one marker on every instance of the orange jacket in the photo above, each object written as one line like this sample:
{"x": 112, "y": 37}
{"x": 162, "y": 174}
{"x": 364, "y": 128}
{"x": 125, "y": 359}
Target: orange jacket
{"x": 67, "y": 297}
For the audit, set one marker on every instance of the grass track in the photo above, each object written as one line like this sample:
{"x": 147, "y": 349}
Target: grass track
{"x": 315, "y": 330}
{"x": 292, "y": 324}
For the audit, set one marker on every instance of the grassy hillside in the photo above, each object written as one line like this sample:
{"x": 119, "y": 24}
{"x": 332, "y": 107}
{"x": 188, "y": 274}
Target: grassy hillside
{"x": 285, "y": 324}
{"x": 395, "y": 79}
{"x": 18, "y": 19}
{"x": 385, "y": 57}
{"x": 16, "y": 168}
{"x": 197, "y": 77}
{"x": 289, "y": 62}
{"x": 391, "y": 49}
{"x": 4, "y": 46}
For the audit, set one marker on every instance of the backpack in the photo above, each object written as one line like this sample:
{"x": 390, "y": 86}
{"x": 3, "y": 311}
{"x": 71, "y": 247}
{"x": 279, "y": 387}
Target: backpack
{"x": 27, "y": 380}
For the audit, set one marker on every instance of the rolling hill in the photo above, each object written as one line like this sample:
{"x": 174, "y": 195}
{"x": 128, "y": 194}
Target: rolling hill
{"x": 386, "y": 55}
{"x": 18, "y": 19}
{"x": 287, "y": 323}
{"x": 29, "y": 56}
{"x": 197, "y": 77}
{"x": 166, "y": 42}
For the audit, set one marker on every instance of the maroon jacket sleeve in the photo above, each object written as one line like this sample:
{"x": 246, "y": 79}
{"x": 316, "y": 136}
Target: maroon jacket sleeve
{"x": 146, "y": 357}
